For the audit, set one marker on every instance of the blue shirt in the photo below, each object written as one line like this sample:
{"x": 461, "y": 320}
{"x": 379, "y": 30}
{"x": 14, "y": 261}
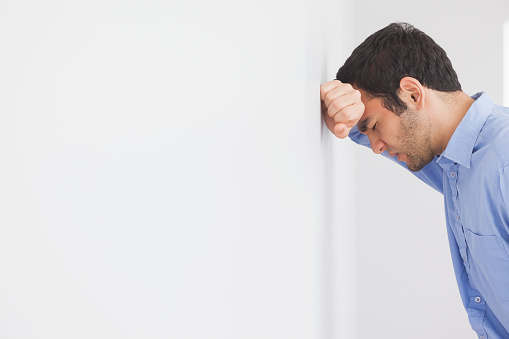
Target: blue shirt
{"x": 473, "y": 176}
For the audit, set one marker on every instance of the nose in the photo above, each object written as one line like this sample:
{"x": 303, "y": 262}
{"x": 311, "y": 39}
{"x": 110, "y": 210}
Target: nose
{"x": 377, "y": 144}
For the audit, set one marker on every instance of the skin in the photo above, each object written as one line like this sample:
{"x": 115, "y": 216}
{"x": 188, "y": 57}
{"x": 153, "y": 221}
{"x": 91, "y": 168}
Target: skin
{"x": 415, "y": 137}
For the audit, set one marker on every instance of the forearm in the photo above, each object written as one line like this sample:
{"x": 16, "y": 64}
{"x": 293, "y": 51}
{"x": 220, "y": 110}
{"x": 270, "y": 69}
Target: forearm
{"x": 431, "y": 174}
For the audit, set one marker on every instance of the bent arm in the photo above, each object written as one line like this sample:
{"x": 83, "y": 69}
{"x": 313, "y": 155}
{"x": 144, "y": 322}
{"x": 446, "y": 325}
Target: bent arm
{"x": 431, "y": 174}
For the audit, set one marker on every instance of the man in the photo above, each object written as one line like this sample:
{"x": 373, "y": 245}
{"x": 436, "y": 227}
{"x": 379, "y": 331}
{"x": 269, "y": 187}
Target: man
{"x": 399, "y": 94}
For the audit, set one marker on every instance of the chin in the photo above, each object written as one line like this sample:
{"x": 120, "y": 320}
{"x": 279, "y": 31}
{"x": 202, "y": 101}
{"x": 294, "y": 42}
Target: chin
{"x": 414, "y": 169}
{"x": 416, "y": 166}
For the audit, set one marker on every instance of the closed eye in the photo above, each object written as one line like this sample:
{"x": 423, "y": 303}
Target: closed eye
{"x": 374, "y": 126}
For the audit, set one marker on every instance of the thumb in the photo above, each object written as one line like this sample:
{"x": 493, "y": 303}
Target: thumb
{"x": 341, "y": 130}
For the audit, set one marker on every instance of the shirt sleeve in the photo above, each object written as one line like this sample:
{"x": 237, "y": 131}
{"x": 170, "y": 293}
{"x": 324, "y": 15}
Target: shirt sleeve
{"x": 431, "y": 174}
{"x": 496, "y": 250}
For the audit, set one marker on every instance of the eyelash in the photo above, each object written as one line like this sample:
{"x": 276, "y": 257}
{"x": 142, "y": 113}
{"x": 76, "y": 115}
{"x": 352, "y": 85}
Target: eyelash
{"x": 374, "y": 126}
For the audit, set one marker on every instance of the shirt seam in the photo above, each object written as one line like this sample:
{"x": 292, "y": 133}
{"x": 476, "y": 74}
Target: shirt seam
{"x": 497, "y": 188}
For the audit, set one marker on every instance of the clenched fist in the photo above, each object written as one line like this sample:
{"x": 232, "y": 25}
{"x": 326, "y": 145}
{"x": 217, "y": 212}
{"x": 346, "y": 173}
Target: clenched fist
{"x": 341, "y": 106}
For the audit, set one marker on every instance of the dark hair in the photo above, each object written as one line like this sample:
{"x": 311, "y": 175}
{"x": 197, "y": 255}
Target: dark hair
{"x": 394, "y": 52}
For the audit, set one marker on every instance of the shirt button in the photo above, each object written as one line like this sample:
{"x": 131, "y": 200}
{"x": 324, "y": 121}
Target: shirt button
{"x": 457, "y": 217}
{"x": 477, "y": 299}
{"x": 453, "y": 174}
{"x": 482, "y": 337}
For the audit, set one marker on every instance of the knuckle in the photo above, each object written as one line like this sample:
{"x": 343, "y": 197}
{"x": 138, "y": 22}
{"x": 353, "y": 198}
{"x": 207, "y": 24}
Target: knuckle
{"x": 333, "y": 114}
{"x": 327, "y": 97}
{"x": 347, "y": 113}
{"x": 360, "y": 109}
{"x": 335, "y": 106}
{"x": 338, "y": 118}
{"x": 348, "y": 86}
{"x": 331, "y": 95}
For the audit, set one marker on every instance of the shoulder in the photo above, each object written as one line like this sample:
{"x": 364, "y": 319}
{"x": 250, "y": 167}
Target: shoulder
{"x": 493, "y": 142}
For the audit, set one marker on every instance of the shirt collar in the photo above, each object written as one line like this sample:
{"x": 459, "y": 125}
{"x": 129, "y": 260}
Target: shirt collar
{"x": 461, "y": 145}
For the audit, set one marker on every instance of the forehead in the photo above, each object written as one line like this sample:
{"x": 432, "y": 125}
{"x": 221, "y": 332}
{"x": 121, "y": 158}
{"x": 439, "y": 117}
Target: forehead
{"x": 370, "y": 101}
{"x": 372, "y": 107}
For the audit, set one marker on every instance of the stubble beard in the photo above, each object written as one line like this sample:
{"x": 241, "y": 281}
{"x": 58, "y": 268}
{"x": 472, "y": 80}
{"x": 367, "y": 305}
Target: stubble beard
{"x": 415, "y": 138}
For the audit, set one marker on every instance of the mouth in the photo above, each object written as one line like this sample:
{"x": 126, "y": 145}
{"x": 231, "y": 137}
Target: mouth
{"x": 399, "y": 156}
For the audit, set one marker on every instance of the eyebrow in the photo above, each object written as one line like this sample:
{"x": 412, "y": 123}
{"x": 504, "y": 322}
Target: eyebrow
{"x": 363, "y": 124}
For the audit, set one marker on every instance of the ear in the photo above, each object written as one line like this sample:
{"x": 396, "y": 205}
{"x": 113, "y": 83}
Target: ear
{"x": 412, "y": 92}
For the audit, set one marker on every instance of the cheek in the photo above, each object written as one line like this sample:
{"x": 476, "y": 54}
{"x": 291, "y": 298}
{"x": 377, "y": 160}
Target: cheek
{"x": 390, "y": 136}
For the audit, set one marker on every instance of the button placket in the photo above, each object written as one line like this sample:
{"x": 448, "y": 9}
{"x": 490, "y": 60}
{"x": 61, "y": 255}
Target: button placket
{"x": 464, "y": 257}
{"x": 453, "y": 179}
{"x": 460, "y": 235}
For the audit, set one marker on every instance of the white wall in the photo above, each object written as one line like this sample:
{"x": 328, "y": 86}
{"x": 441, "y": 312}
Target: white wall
{"x": 406, "y": 286}
{"x": 505, "y": 100}
{"x": 165, "y": 171}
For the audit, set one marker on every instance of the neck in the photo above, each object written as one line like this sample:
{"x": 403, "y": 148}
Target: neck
{"x": 452, "y": 108}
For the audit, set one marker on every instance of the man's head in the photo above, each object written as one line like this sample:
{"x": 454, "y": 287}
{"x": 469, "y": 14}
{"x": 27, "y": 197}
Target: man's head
{"x": 405, "y": 80}
{"x": 394, "y": 52}
{"x": 409, "y": 136}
